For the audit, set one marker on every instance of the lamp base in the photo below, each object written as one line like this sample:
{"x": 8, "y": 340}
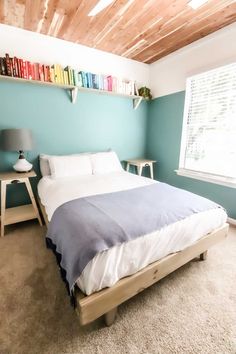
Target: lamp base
{"x": 22, "y": 165}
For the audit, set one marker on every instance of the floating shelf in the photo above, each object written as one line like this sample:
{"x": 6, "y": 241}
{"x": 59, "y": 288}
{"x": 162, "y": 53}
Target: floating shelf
{"x": 75, "y": 89}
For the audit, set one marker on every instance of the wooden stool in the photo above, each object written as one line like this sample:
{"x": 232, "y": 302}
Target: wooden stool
{"x": 140, "y": 163}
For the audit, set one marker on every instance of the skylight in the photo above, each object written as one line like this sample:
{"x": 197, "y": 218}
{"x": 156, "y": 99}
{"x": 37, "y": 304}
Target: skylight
{"x": 102, "y": 4}
{"x": 195, "y": 4}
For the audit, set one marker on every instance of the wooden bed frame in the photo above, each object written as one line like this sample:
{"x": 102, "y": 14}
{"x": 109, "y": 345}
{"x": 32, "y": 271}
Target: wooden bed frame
{"x": 106, "y": 301}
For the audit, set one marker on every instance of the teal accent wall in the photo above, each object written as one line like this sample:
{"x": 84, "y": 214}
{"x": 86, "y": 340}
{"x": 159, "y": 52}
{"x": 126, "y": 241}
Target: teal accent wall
{"x": 96, "y": 122}
{"x": 164, "y": 130}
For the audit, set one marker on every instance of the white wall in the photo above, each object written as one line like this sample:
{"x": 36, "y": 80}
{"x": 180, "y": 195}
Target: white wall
{"x": 40, "y": 48}
{"x": 165, "y": 76}
{"x": 168, "y": 75}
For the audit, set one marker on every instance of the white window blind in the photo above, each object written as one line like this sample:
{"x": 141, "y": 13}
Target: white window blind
{"x": 208, "y": 143}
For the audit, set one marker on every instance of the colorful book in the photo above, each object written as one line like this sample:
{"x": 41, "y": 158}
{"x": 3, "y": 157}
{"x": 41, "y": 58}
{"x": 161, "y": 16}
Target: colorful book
{"x": 80, "y": 79}
{"x": 56, "y": 74}
{"x": 24, "y": 69}
{"x": 28, "y": 69}
{"x": 41, "y": 75}
{"x": 61, "y": 74}
{"x": 66, "y": 78}
{"x": 89, "y": 80}
{"x": 70, "y": 75}
{"x": 94, "y": 84}
{"x": 76, "y": 77}
{"x": 36, "y": 71}
{"x": 52, "y": 74}
{"x": 3, "y": 69}
{"x": 15, "y": 67}
{"x": 114, "y": 84}
{"x": 18, "y": 67}
{"x": 105, "y": 83}
{"x": 109, "y": 83}
{"x": 8, "y": 65}
{"x": 32, "y": 71}
{"x": 135, "y": 88}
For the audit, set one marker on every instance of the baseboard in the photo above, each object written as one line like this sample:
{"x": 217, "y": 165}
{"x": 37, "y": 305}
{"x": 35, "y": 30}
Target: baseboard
{"x": 231, "y": 221}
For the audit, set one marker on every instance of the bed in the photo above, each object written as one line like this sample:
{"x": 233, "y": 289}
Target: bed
{"x": 117, "y": 273}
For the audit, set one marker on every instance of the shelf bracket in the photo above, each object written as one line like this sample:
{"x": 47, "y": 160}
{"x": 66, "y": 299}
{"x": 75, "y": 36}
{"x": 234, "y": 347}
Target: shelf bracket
{"x": 74, "y": 93}
{"x": 136, "y": 102}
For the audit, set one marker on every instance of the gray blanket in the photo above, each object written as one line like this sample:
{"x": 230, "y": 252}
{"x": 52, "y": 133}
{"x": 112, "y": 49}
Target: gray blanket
{"x": 81, "y": 228}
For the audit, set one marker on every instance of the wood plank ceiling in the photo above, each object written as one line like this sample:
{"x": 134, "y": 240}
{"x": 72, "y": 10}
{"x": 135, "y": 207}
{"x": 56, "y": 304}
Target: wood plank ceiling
{"x": 144, "y": 30}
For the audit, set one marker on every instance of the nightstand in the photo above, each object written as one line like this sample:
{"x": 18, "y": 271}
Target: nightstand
{"x": 140, "y": 163}
{"x": 21, "y": 213}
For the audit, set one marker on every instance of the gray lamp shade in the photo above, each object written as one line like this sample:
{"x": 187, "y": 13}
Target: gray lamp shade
{"x": 17, "y": 140}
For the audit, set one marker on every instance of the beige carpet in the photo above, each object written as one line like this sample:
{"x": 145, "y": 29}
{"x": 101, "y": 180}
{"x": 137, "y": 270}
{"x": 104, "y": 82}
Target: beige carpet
{"x": 191, "y": 311}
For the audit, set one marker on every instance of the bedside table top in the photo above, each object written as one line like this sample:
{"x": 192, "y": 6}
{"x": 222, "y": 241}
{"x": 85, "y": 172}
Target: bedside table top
{"x": 138, "y": 162}
{"x": 5, "y": 176}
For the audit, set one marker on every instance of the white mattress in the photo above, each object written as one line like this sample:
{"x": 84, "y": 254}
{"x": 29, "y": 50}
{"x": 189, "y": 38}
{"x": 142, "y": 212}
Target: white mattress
{"x": 107, "y": 267}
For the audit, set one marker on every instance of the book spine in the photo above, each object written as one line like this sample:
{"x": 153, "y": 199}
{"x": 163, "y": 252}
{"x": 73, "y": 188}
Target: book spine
{"x": 8, "y": 65}
{"x": 45, "y": 73}
{"x": 69, "y": 76}
{"x": 15, "y": 66}
{"x": 101, "y": 81}
{"x": 3, "y": 70}
{"x": 29, "y": 71}
{"x": 76, "y": 77}
{"x": 48, "y": 73}
{"x": 136, "y": 89}
{"x": 87, "y": 80}
{"x": 41, "y": 76}
{"x": 93, "y": 81}
{"x": 84, "y": 78}
{"x": 36, "y": 71}
{"x": 105, "y": 83}
{"x": 65, "y": 74}
{"x": 56, "y": 77}
{"x": 19, "y": 67}
{"x": 114, "y": 84}
{"x": 60, "y": 75}
{"x": 80, "y": 79}
{"x": 90, "y": 80}
{"x": 24, "y": 69}
{"x": 109, "y": 82}
{"x": 52, "y": 74}
{"x": 32, "y": 71}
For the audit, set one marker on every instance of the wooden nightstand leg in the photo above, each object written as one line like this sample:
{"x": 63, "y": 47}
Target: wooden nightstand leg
{"x": 3, "y": 206}
{"x": 151, "y": 170}
{"x": 140, "y": 170}
{"x": 31, "y": 194}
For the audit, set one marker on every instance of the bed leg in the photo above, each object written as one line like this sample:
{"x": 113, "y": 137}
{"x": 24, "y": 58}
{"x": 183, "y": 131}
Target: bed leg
{"x": 203, "y": 256}
{"x": 110, "y": 316}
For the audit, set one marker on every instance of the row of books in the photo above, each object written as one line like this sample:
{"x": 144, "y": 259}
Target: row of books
{"x": 107, "y": 83}
{"x": 24, "y": 69}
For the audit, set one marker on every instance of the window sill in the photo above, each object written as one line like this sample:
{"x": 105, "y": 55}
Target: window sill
{"x": 224, "y": 181}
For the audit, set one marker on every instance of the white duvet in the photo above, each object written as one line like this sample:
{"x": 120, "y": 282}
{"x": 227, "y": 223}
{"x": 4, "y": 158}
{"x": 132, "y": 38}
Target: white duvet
{"x": 107, "y": 267}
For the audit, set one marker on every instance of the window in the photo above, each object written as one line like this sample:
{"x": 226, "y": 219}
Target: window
{"x": 208, "y": 145}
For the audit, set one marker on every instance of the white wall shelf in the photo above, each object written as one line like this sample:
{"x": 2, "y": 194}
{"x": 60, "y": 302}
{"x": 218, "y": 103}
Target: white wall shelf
{"x": 75, "y": 89}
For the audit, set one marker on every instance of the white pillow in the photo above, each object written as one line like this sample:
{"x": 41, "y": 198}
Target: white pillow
{"x": 44, "y": 165}
{"x": 69, "y": 166}
{"x": 105, "y": 162}
{"x": 44, "y": 162}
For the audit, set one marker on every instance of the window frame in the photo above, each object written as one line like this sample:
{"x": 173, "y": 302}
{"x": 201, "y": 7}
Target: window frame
{"x": 199, "y": 175}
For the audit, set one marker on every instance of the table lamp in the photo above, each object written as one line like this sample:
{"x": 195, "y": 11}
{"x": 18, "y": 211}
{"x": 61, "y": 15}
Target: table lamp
{"x": 18, "y": 140}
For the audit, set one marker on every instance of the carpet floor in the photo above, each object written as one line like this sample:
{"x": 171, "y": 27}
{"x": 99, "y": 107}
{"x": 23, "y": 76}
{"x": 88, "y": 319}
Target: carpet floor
{"x": 193, "y": 310}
